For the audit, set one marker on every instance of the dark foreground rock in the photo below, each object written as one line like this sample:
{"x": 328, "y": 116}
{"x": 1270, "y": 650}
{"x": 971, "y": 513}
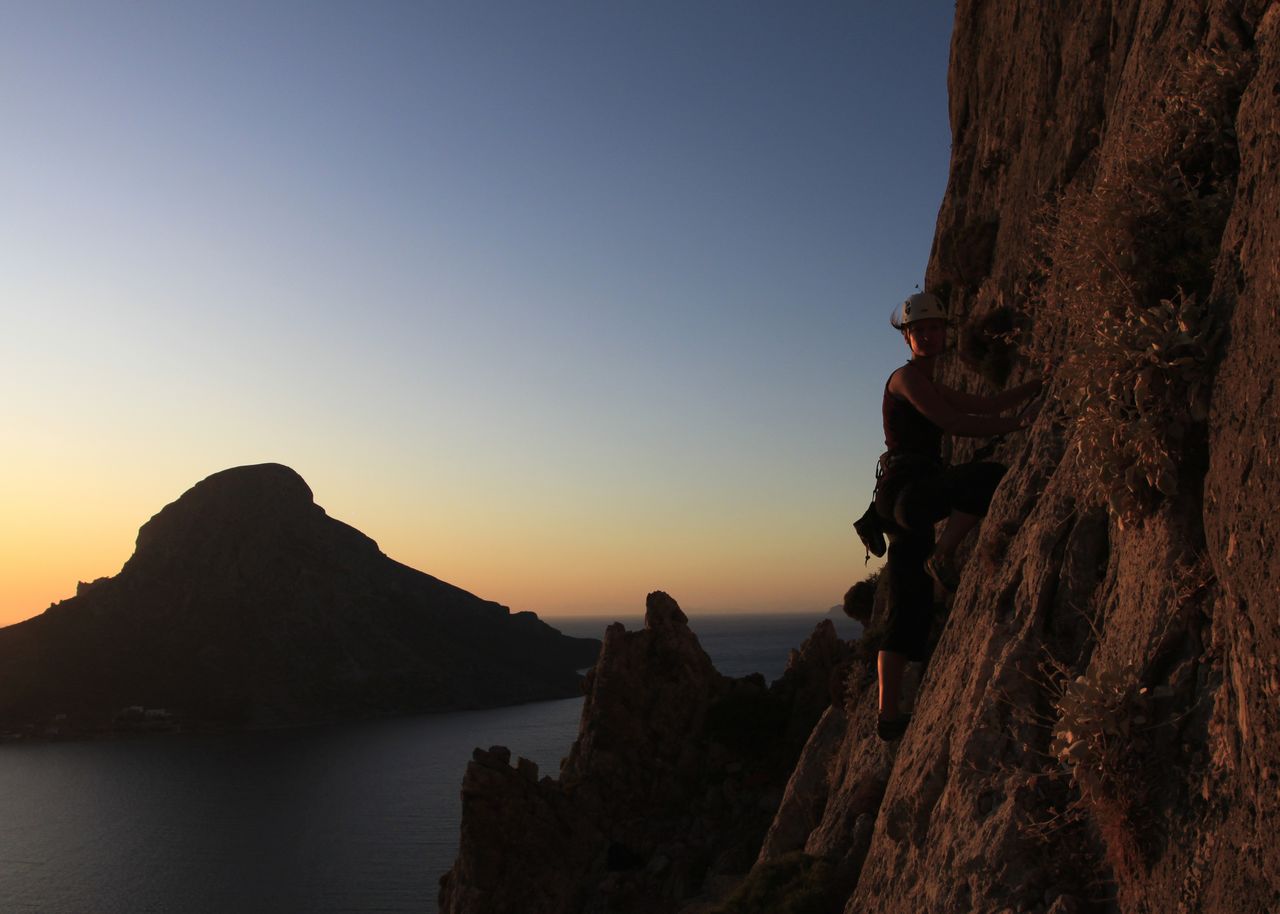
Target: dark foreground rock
{"x": 666, "y": 794}
{"x": 245, "y": 604}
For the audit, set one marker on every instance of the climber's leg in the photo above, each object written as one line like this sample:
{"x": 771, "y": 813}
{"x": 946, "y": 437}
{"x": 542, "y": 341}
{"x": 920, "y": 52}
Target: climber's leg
{"x": 942, "y": 565}
{"x": 954, "y": 531}
{"x": 889, "y": 667}
{"x": 969, "y": 488}
{"x": 910, "y": 617}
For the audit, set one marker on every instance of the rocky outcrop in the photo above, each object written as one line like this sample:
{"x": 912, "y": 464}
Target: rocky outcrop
{"x": 1097, "y": 727}
{"x": 667, "y": 792}
{"x": 244, "y": 603}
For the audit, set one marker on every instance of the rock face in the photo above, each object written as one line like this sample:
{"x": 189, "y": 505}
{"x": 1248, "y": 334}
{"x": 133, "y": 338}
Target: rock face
{"x": 1097, "y": 727}
{"x": 244, "y": 603}
{"x": 669, "y": 787}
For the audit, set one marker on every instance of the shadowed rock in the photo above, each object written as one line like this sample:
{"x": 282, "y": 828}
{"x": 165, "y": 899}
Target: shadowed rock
{"x": 667, "y": 792}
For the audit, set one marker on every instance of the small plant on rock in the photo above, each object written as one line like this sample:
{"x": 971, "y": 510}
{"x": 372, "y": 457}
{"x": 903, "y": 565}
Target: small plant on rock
{"x": 1100, "y": 737}
{"x": 1094, "y": 730}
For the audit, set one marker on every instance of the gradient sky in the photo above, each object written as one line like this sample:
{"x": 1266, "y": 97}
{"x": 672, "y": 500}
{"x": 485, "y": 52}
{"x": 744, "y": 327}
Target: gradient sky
{"x": 561, "y": 302}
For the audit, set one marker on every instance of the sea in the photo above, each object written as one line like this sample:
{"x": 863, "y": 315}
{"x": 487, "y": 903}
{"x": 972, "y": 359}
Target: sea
{"x": 359, "y": 817}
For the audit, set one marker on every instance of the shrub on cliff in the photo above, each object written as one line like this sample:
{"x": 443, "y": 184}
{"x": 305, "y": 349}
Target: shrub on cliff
{"x": 793, "y": 884}
{"x": 860, "y": 599}
{"x": 1127, "y": 265}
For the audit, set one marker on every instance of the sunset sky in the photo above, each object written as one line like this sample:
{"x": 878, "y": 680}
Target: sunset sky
{"x": 561, "y": 302}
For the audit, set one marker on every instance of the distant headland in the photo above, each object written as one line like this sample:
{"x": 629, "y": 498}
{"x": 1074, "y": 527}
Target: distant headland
{"x": 245, "y": 604}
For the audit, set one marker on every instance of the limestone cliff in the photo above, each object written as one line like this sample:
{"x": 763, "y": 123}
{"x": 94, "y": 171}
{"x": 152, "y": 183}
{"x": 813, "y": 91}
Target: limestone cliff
{"x": 1097, "y": 727}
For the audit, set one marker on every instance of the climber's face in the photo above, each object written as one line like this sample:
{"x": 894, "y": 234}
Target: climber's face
{"x": 926, "y": 338}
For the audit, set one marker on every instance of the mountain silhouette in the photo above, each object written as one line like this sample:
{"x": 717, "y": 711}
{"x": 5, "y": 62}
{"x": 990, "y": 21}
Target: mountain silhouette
{"x": 245, "y": 604}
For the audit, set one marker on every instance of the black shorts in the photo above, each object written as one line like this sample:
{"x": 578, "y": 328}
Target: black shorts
{"x": 914, "y": 501}
{"x": 909, "y": 504}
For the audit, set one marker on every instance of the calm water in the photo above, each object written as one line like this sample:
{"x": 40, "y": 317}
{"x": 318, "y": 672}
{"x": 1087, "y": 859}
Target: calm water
{"x": 357, "y": 817}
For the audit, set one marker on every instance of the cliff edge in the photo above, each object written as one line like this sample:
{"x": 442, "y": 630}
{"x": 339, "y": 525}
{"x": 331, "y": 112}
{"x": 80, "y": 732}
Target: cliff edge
{"x": 1097, "y": 727}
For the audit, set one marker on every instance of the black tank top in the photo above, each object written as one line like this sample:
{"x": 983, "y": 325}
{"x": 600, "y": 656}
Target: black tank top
{"x": 906, "y": 430}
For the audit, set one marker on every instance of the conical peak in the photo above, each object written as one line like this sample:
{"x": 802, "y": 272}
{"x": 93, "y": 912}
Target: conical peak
{"x": 270, "y": 481}
{"x": 230, "y": 503}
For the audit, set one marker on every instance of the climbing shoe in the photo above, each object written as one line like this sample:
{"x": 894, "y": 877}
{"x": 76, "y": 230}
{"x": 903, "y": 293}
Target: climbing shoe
{"x": 871, "y": 532}
{"x": 891, "y": 730}
{"x": 941, "y": 570}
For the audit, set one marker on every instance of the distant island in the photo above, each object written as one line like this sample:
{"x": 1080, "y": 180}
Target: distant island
{"x": 244, "y": 604}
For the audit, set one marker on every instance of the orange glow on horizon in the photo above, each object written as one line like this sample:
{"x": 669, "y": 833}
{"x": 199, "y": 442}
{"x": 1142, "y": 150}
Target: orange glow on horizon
{"x": 552, "y": 577}
{"x": 554, "y": 555}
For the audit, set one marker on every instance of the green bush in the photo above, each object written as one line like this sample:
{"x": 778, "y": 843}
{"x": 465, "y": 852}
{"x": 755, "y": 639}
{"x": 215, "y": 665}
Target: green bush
{"x": 793, "y": 884}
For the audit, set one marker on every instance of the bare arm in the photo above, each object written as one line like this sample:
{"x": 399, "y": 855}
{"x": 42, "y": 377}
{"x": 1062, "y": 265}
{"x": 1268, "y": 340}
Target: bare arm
{"x": 929, "y": 400}
{"x": 989, "y": 406}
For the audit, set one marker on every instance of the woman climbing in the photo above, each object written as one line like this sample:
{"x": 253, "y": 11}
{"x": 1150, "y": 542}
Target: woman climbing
{"x": 915, "y": 489}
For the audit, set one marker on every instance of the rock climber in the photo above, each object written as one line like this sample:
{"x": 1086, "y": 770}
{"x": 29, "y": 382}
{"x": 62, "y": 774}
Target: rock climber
{"x": 916, "y": 490}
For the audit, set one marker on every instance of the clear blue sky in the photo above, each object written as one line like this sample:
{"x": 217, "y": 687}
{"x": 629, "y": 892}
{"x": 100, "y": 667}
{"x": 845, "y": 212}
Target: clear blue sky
{"x": 560, "y": 302}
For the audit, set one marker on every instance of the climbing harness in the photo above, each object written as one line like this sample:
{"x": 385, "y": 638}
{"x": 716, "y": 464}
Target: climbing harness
{"x": 870, "y": 527}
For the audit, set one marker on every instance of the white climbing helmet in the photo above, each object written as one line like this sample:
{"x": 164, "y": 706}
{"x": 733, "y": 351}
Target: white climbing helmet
{"x": 922, "y": 306}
